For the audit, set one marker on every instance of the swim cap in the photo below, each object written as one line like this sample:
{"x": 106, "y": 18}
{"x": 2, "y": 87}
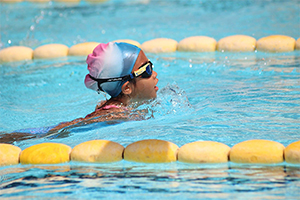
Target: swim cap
{"x": 111, "y": 60}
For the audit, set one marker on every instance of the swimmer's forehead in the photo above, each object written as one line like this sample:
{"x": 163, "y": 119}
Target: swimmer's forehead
{"x": 141, "y": 59}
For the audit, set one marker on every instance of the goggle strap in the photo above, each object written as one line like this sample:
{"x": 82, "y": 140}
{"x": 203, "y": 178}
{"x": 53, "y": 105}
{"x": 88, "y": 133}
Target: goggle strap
{"x": 129, "y": 77}
{"x": 98, "y": 82}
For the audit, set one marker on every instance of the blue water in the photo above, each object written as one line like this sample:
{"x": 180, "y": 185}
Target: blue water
{"x": 224, "y": 97}
{"x": 143, "y": 20}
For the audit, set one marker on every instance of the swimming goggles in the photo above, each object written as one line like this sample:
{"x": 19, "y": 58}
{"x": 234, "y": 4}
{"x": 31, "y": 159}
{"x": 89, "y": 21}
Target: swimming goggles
{"x": 145, "y": 71}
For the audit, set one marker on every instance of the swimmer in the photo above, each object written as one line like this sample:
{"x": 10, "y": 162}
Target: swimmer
{"x": 125, "y": 73}
{"x": 120, "y": 70}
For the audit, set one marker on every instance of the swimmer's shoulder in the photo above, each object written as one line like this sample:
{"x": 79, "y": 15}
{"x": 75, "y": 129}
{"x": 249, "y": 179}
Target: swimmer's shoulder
{"x": 108, "y": 109}
{"x": 100, "y": 104}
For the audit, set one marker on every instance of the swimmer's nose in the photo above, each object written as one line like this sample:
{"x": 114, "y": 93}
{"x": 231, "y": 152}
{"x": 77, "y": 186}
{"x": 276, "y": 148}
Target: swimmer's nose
{"x": 154, "y": 74}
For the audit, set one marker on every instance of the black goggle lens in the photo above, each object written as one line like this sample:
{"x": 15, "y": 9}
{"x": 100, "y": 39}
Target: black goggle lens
{"x": 148, "y": 72}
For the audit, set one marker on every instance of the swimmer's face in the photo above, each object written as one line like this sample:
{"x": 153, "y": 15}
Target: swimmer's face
{"x": 145, "y": 88}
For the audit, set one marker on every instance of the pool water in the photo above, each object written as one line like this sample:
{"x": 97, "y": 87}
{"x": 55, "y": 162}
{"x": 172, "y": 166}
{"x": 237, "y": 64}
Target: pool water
{"x": 219, "y": 96}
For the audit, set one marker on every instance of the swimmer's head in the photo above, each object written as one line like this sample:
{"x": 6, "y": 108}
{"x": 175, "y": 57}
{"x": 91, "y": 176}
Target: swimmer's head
{"x": 112, "y": 60}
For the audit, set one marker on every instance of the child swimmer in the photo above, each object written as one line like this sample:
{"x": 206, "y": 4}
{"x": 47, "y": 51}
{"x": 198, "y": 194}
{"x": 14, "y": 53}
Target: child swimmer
{"x": 125, "y": 73}
{"x": 121, "y": 70}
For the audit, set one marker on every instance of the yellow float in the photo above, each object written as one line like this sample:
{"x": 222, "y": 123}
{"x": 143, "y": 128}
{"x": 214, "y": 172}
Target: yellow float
{"x": 95, "y": 1}
{"x": 16, "y": 53}
{"x": 100, "y": 151}
{"x": 9, "y": 154}
{"x": 50, "y": 51}
{"x": 160, "y": 45}
{"x": 10, "y": 1}
{"x": 151, "y": 151}
{"x": 204, "y": 152}
{"x": 38, "y": 1}
{"x": 276, "y": 43}
{"x": 257, "y": 151}
{"x": 237, "y": 43}
{"x": 292, "y": 153}
{"x": 297, "y": 46}
{"x": 68, "y": 1}
{"x": 46, "y": 153}
{"x": 197, "y": 44}
{"x": 82, "y": 49}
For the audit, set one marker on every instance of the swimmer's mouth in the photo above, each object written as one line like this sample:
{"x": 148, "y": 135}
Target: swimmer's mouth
{"x": 155, "y": 87}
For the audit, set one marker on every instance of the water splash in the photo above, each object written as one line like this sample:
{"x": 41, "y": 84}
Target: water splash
{"x": 170, "y": 100}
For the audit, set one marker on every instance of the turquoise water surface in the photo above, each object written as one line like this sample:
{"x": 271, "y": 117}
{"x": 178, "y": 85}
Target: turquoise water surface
{"x": 223, "y": 97}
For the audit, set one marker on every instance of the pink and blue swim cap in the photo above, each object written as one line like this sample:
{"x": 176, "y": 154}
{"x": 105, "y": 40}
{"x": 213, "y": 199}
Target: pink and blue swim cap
{"x": 110, "y": 60}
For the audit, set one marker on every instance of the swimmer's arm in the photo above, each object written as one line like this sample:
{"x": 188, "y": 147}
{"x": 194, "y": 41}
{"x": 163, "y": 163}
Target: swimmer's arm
{"x": 101, "y": 116}
{"x": 96, "y": 116}
{"x": 65, "y": 124}
{"x": 10, "y": 138}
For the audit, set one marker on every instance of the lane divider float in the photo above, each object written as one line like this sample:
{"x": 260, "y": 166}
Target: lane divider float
{"x": 100, "y": 151}
{"x": 151, "y": 151}
{"x": 46, "y": 153}
{"x": 256, "y": 151}
{"x": 234, "y": 43}
{"x": 204, "y": 152}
